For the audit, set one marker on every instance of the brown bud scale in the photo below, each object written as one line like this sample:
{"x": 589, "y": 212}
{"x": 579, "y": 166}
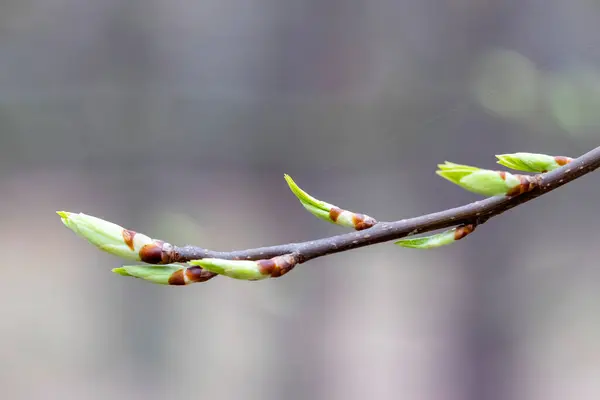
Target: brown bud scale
{"x": 197, "y": 274}
{"x": 277, "y": 266}
{"x": 562, "y": 160}
{"x": 266, "y": 267}
{"x": 528, "y": 183}
{"x": 128, "y": 236}
{"x": 334, "y": 213}
{"x": 152, "y": 253}
{"x": 284, "y": 264}
{"x": 158, "y": 252}
{"x": 463, "y": 231}
{"x": 177, "y": 278}
{"x": 362, "y": 221}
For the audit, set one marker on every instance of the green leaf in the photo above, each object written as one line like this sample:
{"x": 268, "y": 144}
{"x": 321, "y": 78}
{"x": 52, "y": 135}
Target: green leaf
{"x": 454, "y": 176}
{"x": 305, "y": 198}
{"x": 323, "y": 210}
{"x": 481, "y": 181}
{"x": 489, "y": 183}
{"x": 158, "y": 274}
{"x": 528, "y": 162}
{"x": 429, "y": 242}
{"x": 453, "y": 166}
{"x": 105, "y": 235}
{"x": 455, "y": 172}
{"x": 438, "y": 240}
{"x": 237, "y": 269}
{"x": 317, "y": 212}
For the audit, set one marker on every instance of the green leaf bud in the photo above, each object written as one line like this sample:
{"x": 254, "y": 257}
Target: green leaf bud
{"x": 329, "y": 212}
{"x": 532, "y": 162}
{"x": 437, "y": 240}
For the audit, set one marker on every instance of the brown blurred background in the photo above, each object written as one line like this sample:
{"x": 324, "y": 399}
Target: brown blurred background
{"x": 178, "y": 119}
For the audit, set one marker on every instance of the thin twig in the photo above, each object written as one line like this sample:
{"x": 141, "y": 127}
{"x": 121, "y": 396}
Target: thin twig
{"x": 475, "y": 213}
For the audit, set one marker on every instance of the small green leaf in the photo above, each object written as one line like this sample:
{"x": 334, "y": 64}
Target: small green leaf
{"x": 513, "y": 163}
{"x": 438, "y": 240}
{"x": 531, "y": 162}
{"x": 454, "y": 176}
{"x": 489, "y": 183}
{"x": 121, "y": 271}
{"x": 305, "y": 198}
{"x": 453, "y": 166}
{"x": 158, "y": 274}
{"x": 237, "y": 269}
{"x": 455, "y": 172}
{"x": 429, "y": 242}
{"x": 317, "y": 212}
{"x": 329, "y": 212}
{"x": 481, "y": 181}
{"x": 105, "y": 235}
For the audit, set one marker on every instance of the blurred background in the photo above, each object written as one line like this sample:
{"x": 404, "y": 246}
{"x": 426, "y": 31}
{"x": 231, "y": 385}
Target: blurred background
{"x": 178, "y": 119}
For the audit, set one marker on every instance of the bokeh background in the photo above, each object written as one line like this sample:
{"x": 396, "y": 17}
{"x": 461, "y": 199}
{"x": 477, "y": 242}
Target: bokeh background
{"x": 178, "y": 119}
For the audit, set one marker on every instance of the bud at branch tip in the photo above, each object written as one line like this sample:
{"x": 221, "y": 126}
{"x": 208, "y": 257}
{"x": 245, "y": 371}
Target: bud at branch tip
{"x": 329, "y": 212}
{"x": 116, "y": 240}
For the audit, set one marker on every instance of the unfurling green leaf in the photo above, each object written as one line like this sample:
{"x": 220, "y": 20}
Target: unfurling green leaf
{"x": 428, "y": 242}
{"x": 115, "y": 239}
{"x": 237, "y": 269}
{"x": 248, "y": 270}
{"x": 490, "y": 183}
{"x": 450, "y": 166}
{"x": 306, "y": 198}
{"x": 437, "y": 240}
{"x": 329, "y": 212}
{"x": 532, "y": 162}
{"x": 159, "y": 274}
{"x": 483, "y": 181}
{"x": 105, "y": 235}
{"x": 168, "y": 274}
{"x": 455, "y": 172}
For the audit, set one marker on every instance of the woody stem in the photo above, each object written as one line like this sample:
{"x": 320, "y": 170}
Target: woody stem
{"x": 475, "y": 213}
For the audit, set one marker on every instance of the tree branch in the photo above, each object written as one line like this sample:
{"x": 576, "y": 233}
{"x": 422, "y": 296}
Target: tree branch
{"x": 475, "y": 213}
{"x": 274, "y": 261}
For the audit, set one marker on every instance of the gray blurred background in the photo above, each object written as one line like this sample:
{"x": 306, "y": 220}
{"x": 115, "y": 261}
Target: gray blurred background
{"x": 178, "y": 119}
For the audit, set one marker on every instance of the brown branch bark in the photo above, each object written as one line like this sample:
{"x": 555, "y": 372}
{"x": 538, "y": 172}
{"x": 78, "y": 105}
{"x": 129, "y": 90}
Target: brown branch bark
{"x": 475, "y": 213}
